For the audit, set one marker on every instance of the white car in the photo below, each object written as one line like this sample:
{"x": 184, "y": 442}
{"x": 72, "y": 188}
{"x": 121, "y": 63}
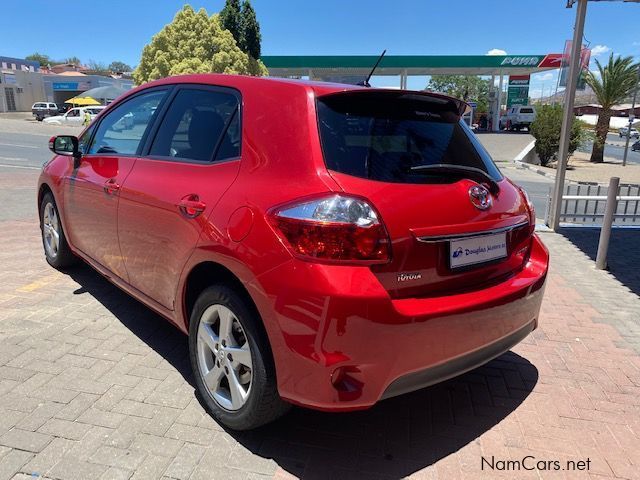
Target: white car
{"x": 624, "y": 131}
{"x": 518, "y": 117}
{"x": 74, "y": 116}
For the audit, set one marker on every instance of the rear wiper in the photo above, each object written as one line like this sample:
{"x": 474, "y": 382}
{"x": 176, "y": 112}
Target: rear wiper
{"x": 468, "y": 172}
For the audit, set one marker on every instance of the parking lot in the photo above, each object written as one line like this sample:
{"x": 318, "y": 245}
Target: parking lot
{"x": 94, "y": 385}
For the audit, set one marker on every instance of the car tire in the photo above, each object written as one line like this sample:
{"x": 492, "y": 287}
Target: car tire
{"x": 226, "y": 334}
{"x": 56, "y": 248}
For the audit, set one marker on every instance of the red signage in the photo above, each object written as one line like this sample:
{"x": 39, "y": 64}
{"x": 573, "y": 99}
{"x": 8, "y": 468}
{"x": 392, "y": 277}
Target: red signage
{"x": 551, "y": 60}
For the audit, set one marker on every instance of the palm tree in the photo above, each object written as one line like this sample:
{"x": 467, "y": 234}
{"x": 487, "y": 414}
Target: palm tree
{"x": 612, "y": 85}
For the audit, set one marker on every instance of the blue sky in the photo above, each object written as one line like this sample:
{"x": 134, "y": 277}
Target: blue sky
{"x": 118, "y": 29}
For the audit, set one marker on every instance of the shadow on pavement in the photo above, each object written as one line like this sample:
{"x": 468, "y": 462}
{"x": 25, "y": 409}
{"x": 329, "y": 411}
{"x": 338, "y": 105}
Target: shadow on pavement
{"x": 623, "y": 258}
{"x": 393, "y": 439}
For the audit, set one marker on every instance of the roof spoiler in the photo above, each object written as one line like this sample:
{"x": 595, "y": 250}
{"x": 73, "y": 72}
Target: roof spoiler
{"x": 453, "y": 105}
{"x": 457, "y": 105}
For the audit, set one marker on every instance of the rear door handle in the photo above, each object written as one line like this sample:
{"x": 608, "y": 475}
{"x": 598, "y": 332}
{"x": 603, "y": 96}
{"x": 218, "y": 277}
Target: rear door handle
{"x": 111, "y": 187}
{"x": 190, "y": 206}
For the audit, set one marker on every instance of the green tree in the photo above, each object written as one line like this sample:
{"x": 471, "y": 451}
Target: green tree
{"x": 117, "y": 66}
{"x": 39, "y": 57}
{"x": 546, "y": 130}
{"x": 613, "y": 83}
{"x": 250, "y": 28}
{"x": 194, "y": 43}
{"x": 464, "y": 87}
{"x": 231, "y": 19}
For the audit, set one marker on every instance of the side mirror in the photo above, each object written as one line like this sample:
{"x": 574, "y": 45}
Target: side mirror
{"x": 66, "y": 145}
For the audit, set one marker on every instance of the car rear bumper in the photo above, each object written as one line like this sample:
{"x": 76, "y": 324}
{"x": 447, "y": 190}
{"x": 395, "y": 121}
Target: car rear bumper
{"x": 346, "y": 344}
{"x": 456, "y": 366}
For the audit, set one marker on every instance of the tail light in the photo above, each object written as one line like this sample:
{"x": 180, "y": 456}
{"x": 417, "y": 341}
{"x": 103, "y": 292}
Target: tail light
{"x": 334, "y": 228}
{"x": 525, "y": 253}
{"x": 530, "y": 208}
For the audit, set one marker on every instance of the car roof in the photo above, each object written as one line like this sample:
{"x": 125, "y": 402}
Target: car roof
{"x": 242, "y": 82}
{"x": 246, "y": 81}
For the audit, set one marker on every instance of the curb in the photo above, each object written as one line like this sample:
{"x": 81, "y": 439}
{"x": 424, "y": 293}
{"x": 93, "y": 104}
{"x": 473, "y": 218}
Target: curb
{"x": 631, "y": 142}
{"x": 518, "y": 160}
{"x": 525, "y": 151}
{"x": 535, "y": 169}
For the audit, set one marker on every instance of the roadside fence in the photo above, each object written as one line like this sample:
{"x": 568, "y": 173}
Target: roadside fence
{"x": 596, "y": 205}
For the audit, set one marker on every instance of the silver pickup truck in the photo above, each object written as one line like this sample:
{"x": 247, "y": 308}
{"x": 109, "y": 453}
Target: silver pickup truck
{"x": 42, "y": 110}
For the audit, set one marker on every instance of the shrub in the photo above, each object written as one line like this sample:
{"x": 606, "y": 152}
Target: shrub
{"x": 546, "y": 130}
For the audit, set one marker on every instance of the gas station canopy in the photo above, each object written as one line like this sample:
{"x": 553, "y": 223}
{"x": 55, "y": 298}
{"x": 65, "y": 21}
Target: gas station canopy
{"x": 321, "y": 66}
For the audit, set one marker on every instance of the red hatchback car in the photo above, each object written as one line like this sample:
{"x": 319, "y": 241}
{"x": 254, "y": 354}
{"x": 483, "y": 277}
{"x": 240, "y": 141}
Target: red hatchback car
{"x": 322, "y": 245}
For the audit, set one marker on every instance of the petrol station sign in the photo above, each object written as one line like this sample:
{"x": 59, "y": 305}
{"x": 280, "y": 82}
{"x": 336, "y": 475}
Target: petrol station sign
{"x": 518, "y": 90}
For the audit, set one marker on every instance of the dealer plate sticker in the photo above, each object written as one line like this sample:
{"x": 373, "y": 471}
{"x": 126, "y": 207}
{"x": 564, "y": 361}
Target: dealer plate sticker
{"x": 475, "y": 250}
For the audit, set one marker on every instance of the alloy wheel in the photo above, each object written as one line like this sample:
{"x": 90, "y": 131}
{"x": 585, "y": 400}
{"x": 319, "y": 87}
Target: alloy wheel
{"x": 224, "y": 357}
{"x": 51, "y": 230}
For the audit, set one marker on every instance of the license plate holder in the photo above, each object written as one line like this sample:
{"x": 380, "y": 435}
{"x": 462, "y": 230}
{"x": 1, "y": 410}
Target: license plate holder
{"x": 476, "y": 250}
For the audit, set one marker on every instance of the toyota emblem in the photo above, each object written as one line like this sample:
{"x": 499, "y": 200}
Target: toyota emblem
{"x": 480, "y": 197}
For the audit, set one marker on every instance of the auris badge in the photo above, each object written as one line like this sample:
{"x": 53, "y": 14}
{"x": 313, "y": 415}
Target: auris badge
{"x": 405, "y": 277}
{"x": 480, "y": 197}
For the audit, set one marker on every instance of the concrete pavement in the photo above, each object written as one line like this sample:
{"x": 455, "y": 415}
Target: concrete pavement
{"x": 505, "y": 146}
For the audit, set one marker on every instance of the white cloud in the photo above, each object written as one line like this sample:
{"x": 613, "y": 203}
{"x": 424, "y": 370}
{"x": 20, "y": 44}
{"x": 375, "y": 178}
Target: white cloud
{"x": 545, "y": 76}
{"x": 636, "y": 44}
{"x": 496, "y": 51}
{"x": 599, "y": 50}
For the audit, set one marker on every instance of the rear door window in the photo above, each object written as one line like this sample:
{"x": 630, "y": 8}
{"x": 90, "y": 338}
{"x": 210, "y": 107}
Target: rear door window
{"x": 201, "y": 124}
{"x": 382, "y": 135}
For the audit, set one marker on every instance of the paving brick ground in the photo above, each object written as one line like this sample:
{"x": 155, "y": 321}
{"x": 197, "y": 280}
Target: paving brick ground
{"x": 95, "y": 386}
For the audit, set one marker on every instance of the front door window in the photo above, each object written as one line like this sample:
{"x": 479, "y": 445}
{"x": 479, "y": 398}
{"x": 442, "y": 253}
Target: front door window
{"x": 121, "y": 130}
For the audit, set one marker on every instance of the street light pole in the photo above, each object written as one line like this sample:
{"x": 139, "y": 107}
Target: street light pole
{"x": 631, "y": 118}
{"x": 567, "y": 114}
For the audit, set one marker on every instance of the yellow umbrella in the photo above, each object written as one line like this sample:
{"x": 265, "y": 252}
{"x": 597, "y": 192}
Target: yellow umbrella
{"x": 83, "y": 101}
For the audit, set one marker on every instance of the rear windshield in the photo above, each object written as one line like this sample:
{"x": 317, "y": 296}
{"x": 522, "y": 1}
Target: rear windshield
{"x": 526, "y": 110}
{"x": 382, "y": 135}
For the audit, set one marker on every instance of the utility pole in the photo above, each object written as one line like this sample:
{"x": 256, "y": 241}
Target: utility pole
{"x": 567, "y": 113}
{"x": 496, "y": 122}
{"x": 631, "y": 118}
